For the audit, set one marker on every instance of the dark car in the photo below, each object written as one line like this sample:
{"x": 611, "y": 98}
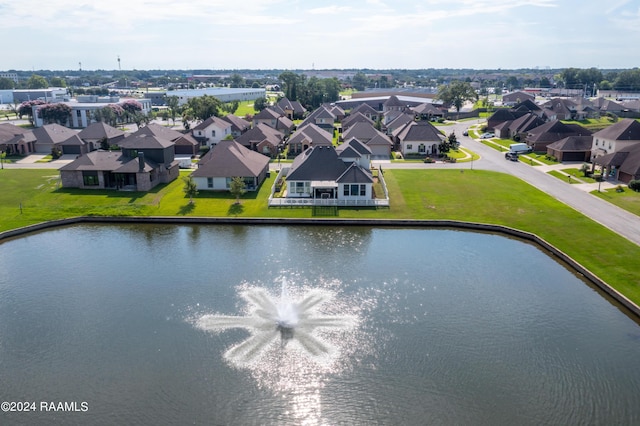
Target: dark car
{"x": 465, "y": 133}
{"x": 513, "y": 156}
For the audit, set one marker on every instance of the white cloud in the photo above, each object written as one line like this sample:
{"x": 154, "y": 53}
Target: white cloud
{"x": 330, "y": 10}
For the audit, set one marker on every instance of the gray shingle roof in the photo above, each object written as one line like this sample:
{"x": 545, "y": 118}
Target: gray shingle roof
{"x": 420, "y": 131}
{"x": 99, "y": 130}
{"x": 144, "y": 141}
{"x": 355, "y": 174}
{"x": 317, "y": 163}
{"x": 312, "y": 134}
{"x": 626, "y": 129}
{"x": 361, "y": 131}
{"x": 230, "y": 159}
{"x": 154, "y": 129}
{"x": 554, "y": 131}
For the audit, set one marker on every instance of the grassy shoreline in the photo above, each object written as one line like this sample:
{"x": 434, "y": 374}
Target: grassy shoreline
{"x": 29, "y": 197}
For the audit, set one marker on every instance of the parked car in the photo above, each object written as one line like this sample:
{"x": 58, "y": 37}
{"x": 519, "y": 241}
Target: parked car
{"x": 465, "y": 133}
{"x": 487, "y": 135}
{"x": 513, "y": 156}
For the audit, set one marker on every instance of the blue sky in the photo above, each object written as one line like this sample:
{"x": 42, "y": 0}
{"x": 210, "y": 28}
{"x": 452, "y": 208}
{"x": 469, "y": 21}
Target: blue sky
{"x": 291, "y": 34}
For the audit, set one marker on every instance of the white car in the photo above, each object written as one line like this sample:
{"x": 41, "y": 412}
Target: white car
{"x": 487, "y": 135}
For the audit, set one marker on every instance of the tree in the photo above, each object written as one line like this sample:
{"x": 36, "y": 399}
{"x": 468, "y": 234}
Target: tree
{"x": 58, "y": 82}
{"x": 230, "y": 107}
{"x": 190, "y": 188}
{"x": 203, "y": 107}
{"x": 56, "y": 113}
{"x": 453, "y": 141}
{"x": 37, "y": 82}
{"x": 237, "y": 188}
{"x": 173, "y": 102}
{"x": 360, "y": 81}
{"x": 6, "y": 83}
{"x": 513, "y": 83}
{"x": 260, "y": 104}
{"x": 237, "y": 80}
{"x": 291, "y": 82}
{"x": 26, "y": 108}
{"x": 457, "y": 93}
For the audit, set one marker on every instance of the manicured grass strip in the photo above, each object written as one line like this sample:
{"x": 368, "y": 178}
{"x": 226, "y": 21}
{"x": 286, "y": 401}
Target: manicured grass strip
{"x": 471, "y": 196}
{"x": 577, "y": 173}
{"x": 628, "y": 199}
{"x": 562, "y": 176}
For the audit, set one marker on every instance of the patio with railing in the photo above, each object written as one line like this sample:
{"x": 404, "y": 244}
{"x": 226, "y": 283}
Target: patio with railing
{"x": 282, "y": 201}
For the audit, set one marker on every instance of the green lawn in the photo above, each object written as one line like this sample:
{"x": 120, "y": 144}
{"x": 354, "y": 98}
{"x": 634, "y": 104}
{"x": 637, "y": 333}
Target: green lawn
{"x": 245, "y": 107}
{"x": 628, "y": 199}
{"x": 558, "y": 174}
{"x": 33, "y": 196}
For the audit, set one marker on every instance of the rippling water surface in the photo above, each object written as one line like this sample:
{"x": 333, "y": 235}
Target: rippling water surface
{"x": 440, "y": 327}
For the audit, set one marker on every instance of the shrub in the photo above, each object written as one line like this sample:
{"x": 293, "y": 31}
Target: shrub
{"x": 619, "y": 188}
{"x": 634, "y": 185}
{"x": 429, "y": 160}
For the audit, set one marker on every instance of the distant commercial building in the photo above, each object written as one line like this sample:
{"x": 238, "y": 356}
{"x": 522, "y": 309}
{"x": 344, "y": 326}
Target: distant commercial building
{"x": 6, "y": 96}
{"x": 224, "y": 94}
{"x": 82, "y": 109}
{"x": 10, "y": 75}
{"x": 52, "y": 94}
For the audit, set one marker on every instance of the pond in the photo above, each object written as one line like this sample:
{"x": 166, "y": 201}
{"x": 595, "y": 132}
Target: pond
{"x": 435, "y": 327}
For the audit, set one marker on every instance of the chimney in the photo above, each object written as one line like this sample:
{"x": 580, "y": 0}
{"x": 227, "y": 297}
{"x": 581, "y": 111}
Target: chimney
{"x": 141, "y": 162}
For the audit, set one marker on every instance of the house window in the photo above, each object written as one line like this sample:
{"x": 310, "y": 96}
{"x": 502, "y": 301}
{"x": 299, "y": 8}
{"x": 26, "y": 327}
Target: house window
{"x": 609, "y": 145}
{"x": 209, "y": 182}
{"x": 596, "y": 142}
{"x": 213, "y": 133}
{"x": 409, "y": 146}
{"x": 421, "y": 148}
{"x": 90, "y": 178}
{"x": 355, "y": 190}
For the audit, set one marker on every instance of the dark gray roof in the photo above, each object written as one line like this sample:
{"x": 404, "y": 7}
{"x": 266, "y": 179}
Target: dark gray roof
{"x": 355, "y": 174}
{"x": 573, "y": 144}
{"x": 317, "y": 163}
{"x": 52, "y": 133}
{"x": 112, "y": 161}
{"x": 154, "y": 129}
{"x": 73, "y": 140}
{"x": 144, "y": 141}
{"x": 554, "y": 131}
{"x": 230, "y": 159}
{"x": 259, "y": 133}
{"x": 217, "y": 121}
{"x": 99, "y": 130}
{"x": 420, "y": 131}
{"x": 354, "y": 143}
{"x": 379, "y": 140}
{"x": 312, "y": 134}
{"x": 353, "y": 118}
{"x": 626, "y": 129}
{"x": 238, "y": 124}
{"x": 361, "y": 131}
{"x": 8, "y": 131}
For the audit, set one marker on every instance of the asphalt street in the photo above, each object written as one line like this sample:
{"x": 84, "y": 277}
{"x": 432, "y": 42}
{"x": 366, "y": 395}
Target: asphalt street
{"x": 609, "y": 215}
